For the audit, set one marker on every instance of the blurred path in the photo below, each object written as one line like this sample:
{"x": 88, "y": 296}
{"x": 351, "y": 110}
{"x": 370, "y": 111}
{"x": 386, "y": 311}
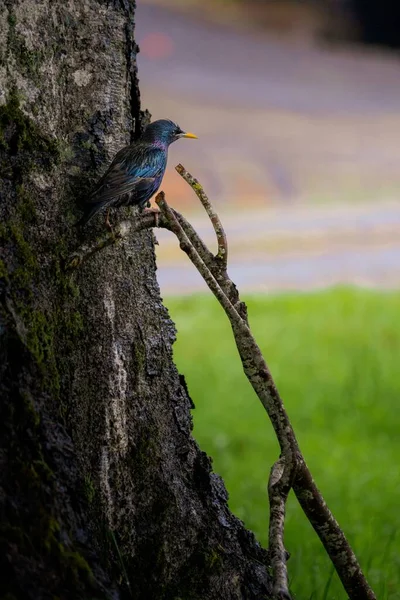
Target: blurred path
{"x": 294, "y": 249}
{"x": 286, "y": 130}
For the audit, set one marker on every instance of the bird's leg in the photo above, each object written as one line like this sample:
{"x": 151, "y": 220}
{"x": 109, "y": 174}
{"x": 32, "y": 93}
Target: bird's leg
{"x": 107, "y": 221}
{"x": 156, "y": 212}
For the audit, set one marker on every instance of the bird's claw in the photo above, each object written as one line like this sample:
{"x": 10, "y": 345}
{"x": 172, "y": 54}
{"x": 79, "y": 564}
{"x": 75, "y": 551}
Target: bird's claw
{"x": 156, "y": 212}
{"x": 107, "y": 222}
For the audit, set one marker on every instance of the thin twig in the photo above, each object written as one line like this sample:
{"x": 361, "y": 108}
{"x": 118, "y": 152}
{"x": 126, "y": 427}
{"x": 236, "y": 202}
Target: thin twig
{"x": 207, "y": 256}
{"x": 278, "y": 494}
{"x": 222, "y": 241}
{"x": 197, "y": 260}
{"x": 217, "y": 267}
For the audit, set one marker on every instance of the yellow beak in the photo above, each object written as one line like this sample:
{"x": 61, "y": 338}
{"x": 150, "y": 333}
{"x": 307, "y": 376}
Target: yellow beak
{"x": 190, "y": 135}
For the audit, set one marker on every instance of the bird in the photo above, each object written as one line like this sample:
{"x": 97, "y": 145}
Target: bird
{"x": 136, "y": 171}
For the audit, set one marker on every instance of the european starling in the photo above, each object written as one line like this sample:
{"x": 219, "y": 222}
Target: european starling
{"x": 136, "y": 172}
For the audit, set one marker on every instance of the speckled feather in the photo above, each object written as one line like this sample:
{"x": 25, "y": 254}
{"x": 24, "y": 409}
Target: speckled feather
{"x": 136, "y": 172}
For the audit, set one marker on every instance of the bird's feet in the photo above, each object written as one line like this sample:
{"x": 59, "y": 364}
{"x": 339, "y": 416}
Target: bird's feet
{"x": 156, "y": 212}
{"x": 107, "y": 221}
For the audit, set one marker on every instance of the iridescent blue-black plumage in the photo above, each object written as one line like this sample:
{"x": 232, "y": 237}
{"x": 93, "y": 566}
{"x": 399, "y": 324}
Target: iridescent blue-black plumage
{"x": 136, "y": 172}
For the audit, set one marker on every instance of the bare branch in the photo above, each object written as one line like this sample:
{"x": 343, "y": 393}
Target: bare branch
{"x": 207, "y": 256}
{"x": 213, "y": 263}
{"x": 222, "y": 254}
{"x": 278, "y": 494}
{"x": 197, "y": 260}
{"x": 295, "y": 473}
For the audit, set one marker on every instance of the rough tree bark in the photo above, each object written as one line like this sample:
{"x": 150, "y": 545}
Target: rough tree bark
{"x": 104, "y": 493}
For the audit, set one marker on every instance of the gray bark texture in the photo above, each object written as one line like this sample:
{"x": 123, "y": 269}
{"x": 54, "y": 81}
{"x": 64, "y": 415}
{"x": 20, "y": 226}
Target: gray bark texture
{"x": 103, "y": 491}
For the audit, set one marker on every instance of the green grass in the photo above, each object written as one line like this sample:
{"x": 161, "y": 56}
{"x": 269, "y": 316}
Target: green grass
{"x": 335, "y": 356}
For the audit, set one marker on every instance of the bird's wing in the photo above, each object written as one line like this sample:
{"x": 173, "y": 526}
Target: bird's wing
{"x": 130, "y": 170}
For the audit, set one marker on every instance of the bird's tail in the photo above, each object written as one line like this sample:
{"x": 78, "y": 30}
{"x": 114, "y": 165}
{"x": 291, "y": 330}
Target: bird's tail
{"x": 90, "y": 211}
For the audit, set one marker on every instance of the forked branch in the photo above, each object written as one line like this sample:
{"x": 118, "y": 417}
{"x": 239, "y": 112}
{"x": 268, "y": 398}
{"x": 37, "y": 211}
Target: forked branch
{"x": 290, "y": 471}
{"x": 294, "y": 473}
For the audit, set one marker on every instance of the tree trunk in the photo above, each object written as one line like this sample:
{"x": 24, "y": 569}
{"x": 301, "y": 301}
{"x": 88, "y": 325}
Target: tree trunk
{"x": 104, "y": 493}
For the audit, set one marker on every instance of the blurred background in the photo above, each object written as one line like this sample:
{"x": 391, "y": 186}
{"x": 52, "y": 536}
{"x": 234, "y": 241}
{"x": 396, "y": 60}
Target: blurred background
{"x": 297, "y": 108}
{"x": 298, "y": 131}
